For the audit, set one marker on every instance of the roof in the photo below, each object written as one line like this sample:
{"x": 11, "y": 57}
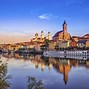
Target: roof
{"x": 75, "y": 37}
{"x": 64, "y": 22}
{"x": 57, "y": 33}
{"x": 86, "y": 35}
{"x": 78, "y": 37}
{"x": 82, "y": 41}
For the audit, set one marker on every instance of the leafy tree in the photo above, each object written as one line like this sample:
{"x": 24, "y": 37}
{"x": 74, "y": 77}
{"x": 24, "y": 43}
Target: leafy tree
{"x": 34, "y": 84}
{"x": 43, "y": 47}
{"x": 4, "y": 84}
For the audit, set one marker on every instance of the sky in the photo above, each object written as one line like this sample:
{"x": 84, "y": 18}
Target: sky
{"x": 21, "y": 19}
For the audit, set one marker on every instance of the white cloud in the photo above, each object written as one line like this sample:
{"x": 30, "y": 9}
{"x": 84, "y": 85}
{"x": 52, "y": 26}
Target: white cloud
{"x": 44, "y": 16}
{"x": 48, "y": 16}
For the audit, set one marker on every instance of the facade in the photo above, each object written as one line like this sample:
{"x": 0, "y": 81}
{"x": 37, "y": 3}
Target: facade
{"x": 41, "y": 38}
{"x": 73, "y": 44}
{"x": 75, "y": 38}
{"x": 62, "y": 35}
{"x": 49, "y": 37}
{"x": 63, "y": 44}
{"x": 51, "y": 46}
{"x": 81, "y": 43}
{"x": 87, "y": 43}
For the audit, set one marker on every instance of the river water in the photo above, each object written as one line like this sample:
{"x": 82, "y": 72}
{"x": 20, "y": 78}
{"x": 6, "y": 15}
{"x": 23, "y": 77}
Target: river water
{"x": 55, "y": 73}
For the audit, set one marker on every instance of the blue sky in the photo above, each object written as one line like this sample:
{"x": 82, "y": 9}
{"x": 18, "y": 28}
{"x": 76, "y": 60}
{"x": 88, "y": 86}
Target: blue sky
{"x": 30, "y": 16}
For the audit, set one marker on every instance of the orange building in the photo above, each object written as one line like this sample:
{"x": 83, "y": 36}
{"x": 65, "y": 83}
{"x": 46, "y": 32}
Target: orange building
{"x": 65, "y": 70}
{"x": 73, "y": 44}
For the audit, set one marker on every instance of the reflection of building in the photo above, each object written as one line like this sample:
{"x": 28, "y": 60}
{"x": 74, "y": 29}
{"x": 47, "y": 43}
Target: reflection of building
{"x": 65, "y": 69}
{"x": 50, "y": 66}
{"x": 42, "y": 66}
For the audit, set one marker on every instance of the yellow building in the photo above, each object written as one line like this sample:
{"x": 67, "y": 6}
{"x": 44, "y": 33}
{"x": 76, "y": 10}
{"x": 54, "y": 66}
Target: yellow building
{"x": 51, "y": 45}
{"x": 63, "y": 44}
{"x": 41, "y": 38}
{"x": 62, "y": 35}
{"x": 87, "y": 43}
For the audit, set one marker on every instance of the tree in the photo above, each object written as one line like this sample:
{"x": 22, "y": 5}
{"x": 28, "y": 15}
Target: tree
{"x": 4, "y": 84}
{"x": 34, "y": 84}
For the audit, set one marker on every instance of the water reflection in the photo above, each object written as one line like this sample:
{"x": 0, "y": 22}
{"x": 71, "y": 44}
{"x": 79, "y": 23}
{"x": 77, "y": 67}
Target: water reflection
{"x": 60, "y": 65}
{"x": 4, "y": 83}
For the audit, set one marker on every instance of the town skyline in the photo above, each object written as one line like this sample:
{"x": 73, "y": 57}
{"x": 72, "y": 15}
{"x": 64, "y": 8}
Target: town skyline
{"x": 21, "y": 19}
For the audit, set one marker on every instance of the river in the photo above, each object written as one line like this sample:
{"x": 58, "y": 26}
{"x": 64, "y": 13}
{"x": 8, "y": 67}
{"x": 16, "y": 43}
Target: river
{"x": 40, "y": 72}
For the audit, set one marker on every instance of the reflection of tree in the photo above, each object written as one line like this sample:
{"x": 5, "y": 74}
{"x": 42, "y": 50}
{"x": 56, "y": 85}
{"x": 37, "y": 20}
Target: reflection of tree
{"x": 34, "y": 84}
{"x": 3, "y": 76}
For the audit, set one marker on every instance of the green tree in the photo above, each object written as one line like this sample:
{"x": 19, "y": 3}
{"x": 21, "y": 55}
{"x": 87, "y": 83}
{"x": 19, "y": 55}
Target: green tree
{"x": 4, "y": 84}
{"x": 34, "y": 84}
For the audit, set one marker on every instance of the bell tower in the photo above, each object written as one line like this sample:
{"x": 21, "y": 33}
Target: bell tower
{"x": 36, "y": 35}
{"x": 42, "y": 34}
{"x": 64, "y": 27}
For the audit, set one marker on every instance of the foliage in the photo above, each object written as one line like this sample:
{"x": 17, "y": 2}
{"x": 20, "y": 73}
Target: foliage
{"x": 3, "y": 76}
{"x": 46, "y": 42}
{"x": 34, "y": 84}
{"x": 43, "y": 47}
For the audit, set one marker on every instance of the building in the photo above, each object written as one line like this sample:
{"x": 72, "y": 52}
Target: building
{"x": 75, "y": 38}
{"x": 63, "y": 44}
{"x": 82, "y": 43}
{"x": 73, "y": 43}
{"x": 41, "y": 38}
{"x": 87, "y": 43}
{"x": 86, "y": 36}
{"x": 62, "y": 35}
{"x": 49, "y": 37}
{"x": 51, "y": 45}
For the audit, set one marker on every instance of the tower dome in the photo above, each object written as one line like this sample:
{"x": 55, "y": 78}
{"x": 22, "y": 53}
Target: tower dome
{"x": 42, "y": 34}
{"x": 36, "y": 35}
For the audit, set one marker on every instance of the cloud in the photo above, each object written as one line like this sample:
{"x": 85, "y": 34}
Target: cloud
{"x": 13, "y": 37}
{"x": 48, "y": 16}
{"x": 44, "y": 16}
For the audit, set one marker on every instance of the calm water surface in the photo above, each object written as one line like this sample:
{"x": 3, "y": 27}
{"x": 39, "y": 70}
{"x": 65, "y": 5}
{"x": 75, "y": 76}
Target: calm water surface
{"x": 55, "y": 73}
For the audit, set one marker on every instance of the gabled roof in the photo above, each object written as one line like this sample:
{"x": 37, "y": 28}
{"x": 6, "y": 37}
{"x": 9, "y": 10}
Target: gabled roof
{"x": 57, "y": 33}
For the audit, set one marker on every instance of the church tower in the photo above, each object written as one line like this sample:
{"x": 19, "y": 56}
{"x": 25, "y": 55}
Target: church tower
{"x": 64, "y": 27}
{"x": 64, "y": 30}
{"x": 42, "y": 34}
{"x": 49, "y": 36}
{"x": 36, "y": 35}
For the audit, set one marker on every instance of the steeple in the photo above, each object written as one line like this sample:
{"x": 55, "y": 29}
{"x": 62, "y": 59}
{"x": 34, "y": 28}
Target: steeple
{"x": 64, "y": 22}
{"x": 64, "y": 27}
